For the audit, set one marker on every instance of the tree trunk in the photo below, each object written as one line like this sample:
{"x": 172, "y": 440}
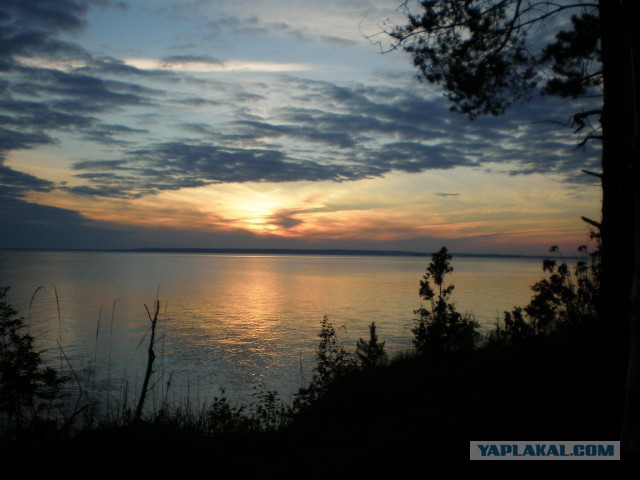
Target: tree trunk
{"x": 617, "y": 197}
{"x": 618, "y": 307}
{"x": 631, "y": 423}
{"x": 631, "y": 431}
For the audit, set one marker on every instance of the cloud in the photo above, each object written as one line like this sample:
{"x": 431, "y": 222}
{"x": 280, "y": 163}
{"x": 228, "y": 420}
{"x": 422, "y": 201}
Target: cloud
{"x": 288, "y": 129}
{"x": 363, "y": 132}
{"x": 106, "y": 133}
{"x": 331, "y": 25}
{"x": 414, "y": 157}
{"x": 39, "y": 115}
{"x": 44, "y": 93}
{"x": 63, "y": 102}
{"x": 285, "y": 218}
{"x": 100, "y": 94}
{"x": 336, "y": 41}
{"x": 101, "y": 165}
{"x": 332, "y": 136}
{"x": 15, "y": 140}
{"x": 175, "y": 165}
{"x": 29, "y": 29}
{"x": 61, "y": 15}
{"x": 527, "y": 138}
{"x": 189, "y": 59}
{"x": 29, "y": 225}
{"x": 16, "y": 184}
{"x": 203, "y": 64}
{"x": 106, "y": 65}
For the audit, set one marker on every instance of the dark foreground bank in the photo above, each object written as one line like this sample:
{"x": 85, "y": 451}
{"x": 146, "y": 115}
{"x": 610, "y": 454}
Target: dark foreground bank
{"x": 402, "y": 417}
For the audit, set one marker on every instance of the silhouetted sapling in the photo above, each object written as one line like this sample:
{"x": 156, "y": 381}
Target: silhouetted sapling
{"x": 440, "y": 327}
{"x": 333, "y": 363}
{"x": 371, "y": 353}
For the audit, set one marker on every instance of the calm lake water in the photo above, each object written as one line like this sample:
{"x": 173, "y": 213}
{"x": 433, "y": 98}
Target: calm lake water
{"x": 231, "y": 321}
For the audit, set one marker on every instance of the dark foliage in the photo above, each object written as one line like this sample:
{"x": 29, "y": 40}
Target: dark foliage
{"x": 440, "y": 327}
{"x": 27, "y": 391}
{"x": 575, "y": 58}
{"x": 560, "y": 299}
{"x": 268, "y": 411}
{"x": 371, "y": 353}
{"x": 475, "y": 52}
{"x": 333, "y": 363}
{"x": 222, "y": 418}
{"x": 482, "y": 54}
{"x": 420, "y": 410}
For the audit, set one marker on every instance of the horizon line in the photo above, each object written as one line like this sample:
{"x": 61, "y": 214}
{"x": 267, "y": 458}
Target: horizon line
{"x": 270, "y": 251}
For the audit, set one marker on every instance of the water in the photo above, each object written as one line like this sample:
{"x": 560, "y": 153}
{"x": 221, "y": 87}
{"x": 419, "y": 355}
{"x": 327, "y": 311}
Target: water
{"x": 231, "y": 321}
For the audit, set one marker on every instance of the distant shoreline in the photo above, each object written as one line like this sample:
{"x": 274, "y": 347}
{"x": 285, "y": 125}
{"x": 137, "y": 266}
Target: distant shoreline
{"x": 272, "y": 251}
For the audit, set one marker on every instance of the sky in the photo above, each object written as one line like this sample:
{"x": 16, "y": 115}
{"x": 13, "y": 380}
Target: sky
{"x": 264, "y": 124}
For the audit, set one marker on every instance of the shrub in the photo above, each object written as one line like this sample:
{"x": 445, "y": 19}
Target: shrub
{"x": 268, "y": 411}
{"x": 560, "y": 299}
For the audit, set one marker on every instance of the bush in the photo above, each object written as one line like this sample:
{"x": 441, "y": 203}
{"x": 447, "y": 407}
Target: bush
{"x": 560, "y": 299}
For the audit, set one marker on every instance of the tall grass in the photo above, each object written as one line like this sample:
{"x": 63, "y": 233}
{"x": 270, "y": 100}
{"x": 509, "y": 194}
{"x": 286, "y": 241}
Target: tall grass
{"x": 85, "y": 407}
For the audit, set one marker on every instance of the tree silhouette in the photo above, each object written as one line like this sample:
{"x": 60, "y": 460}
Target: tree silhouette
{"x": 482, "y": 54}
{"x": 560, "y": 299}
{"x": 371, "y": 353}
{"x": 333, "y": 363}
{"x": 440, "y": 327}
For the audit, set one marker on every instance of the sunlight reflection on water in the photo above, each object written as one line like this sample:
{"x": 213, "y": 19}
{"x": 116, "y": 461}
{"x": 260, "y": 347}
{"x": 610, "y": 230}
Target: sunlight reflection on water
{"x": 230, "y": 321}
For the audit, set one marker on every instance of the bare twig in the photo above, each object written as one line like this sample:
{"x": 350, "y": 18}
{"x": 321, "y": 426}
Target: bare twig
{"x": 593, "y": 174}
{"x": 592, "y": 222}
{"x": 150, "y": 358}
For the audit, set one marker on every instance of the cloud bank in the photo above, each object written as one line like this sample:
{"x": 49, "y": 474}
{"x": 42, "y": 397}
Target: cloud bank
{"x": 138, "y": 125}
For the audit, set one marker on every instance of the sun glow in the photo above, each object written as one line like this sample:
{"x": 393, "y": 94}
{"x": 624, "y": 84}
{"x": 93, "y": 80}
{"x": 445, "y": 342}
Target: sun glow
{"x": 376, "y": 210}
